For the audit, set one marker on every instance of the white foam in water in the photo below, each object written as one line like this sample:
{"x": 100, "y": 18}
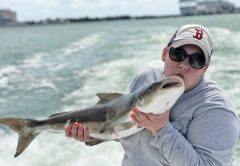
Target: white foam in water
{"x": 6, "y": 73}
{"x": 54, "y": 62}
{"x": 226, "y": 39}
{"x": 23, "y": 80}
{"x": 35, "y": 61}
{"x": 108, "y": 77}
{"x": 41, "y": 83}
{"x": 48, "y": 148}
{"x": 22, "y": 76}
{"x": 224, "y": 36}
{"x": 3, "y": 82}
{"x": 81, "y": 44}
{"x": 8, "y": 70}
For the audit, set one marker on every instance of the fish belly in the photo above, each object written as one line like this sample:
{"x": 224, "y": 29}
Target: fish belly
{"x": 122, "y": 127}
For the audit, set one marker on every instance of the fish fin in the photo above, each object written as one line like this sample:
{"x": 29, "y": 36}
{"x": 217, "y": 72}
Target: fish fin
{"x": 24, "y": 140}
{"x": 106, "y": 97}
{"x": 106, "y": 127}
{"x": 25, "y": 132}
{"x": 58, "y": 113}
{"x": 56, "y": 132}
{"x": 95, "y": 141}
{"x": 123, "y": 126}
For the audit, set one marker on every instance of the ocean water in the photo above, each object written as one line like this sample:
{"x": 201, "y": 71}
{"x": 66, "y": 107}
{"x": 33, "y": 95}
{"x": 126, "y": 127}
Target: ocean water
{"x": 55, "y": 68}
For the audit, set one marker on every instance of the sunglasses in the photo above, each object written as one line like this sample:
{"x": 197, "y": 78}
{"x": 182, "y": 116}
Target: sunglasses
{"x": 195, "y": 60}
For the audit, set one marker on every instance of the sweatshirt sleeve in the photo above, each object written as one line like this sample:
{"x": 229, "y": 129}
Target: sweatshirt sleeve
{"x": 210, "y": 140}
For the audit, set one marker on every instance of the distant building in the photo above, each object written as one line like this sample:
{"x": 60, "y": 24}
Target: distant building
{"x": 237, "y": 10}
{"x": 198, "y": 7}
{"x": 188, "y": 7}
{"x": 7, "y": 17}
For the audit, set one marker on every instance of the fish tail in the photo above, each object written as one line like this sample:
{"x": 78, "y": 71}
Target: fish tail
{"x": 25, "y": 132}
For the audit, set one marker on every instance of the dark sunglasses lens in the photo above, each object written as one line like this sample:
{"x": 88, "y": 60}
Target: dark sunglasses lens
{"x": 177, "y": 55}
{"x": 197, "y": 61}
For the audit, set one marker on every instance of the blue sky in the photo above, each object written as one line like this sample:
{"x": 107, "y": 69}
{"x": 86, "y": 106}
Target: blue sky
{"x": 42, "y": 9}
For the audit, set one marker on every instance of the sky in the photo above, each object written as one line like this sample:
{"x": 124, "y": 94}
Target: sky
{"x": 35, "y": 10}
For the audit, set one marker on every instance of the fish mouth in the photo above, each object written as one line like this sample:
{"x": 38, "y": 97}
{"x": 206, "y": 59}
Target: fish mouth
{"x": 173, "y": 81}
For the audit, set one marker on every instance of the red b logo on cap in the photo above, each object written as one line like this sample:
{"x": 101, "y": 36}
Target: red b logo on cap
{"x": 199, "y": 34}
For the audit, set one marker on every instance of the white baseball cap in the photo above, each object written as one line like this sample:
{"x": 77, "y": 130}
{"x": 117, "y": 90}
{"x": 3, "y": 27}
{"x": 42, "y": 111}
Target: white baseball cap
{"x": 193, "y": 34}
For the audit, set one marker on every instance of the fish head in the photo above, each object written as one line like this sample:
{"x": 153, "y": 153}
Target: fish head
{"x": 160, "y": 96}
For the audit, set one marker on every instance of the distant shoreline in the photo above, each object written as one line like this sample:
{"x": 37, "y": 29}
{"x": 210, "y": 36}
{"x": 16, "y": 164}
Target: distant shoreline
{"x": 59, "y": 21}
{"x": 89, "y": 19}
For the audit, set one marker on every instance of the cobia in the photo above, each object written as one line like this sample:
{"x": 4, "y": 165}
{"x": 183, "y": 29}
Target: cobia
{"x": 109, "y": 119}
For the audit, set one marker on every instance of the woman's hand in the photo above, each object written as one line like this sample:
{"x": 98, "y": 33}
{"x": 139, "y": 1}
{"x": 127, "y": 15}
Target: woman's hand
{"x": 78, "y": 132}
{"x": 152, "y": 122}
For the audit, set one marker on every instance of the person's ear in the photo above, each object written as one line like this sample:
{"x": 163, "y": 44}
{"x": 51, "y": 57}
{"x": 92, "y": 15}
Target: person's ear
{"x": 164, "y": 54}
{"x": 205, "y": 68}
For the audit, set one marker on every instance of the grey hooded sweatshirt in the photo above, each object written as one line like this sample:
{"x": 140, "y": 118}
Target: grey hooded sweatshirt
{"x": 203, "y": 129}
